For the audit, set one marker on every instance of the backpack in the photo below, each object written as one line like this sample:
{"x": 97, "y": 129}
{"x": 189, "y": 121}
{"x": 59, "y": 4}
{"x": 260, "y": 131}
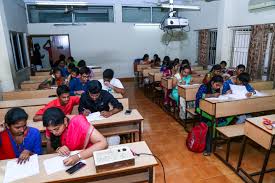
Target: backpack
{"x": 196, "y": 139}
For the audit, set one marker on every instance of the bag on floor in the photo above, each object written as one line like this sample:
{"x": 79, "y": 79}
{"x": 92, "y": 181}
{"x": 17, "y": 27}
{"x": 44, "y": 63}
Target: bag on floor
{"x": 196, "y": 139}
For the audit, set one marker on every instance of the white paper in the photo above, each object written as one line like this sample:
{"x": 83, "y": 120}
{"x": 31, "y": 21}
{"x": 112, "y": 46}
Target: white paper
{"x": 56, "y": 164}
{"x": 95, "y": 117}
{"x": 16, "y": 171}
{"x": 239, "y": 90}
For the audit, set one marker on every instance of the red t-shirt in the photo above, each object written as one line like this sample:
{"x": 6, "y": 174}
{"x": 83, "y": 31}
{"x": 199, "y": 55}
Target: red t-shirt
{"x": 67, "y": 109}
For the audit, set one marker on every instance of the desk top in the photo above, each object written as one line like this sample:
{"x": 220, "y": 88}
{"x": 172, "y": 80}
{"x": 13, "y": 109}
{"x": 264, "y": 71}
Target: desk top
{"x": 189, "y": 86}
{"x": 216, "y": 100}
{"x": 89, "y": 171}
{"x": 114, "y": 119}
{"x": 25, "y": 102}
{"x": 117, "y": 95}
{"x": 258, "y": 121}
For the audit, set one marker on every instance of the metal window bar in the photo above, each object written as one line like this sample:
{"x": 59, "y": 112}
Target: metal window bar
{"x": 240, "y": 46}
{"x": 212, "y": 47}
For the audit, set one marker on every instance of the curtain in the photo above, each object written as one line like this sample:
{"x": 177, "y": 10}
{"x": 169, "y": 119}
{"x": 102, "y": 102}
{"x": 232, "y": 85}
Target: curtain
{"x": 272, "y": 54}
{"x": 257, "y": 48}
{"x": 203, "y": 47}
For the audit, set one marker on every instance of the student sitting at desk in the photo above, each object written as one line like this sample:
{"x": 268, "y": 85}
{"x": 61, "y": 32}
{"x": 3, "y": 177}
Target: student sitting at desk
{"x": 239, "y": 69}
{"x": 56, "y": 79}
{"x": 111, "y": 84}
{"x": 74, "y": 74}
{"x": 98, "y": 100}
{"x": 65, "y": 135}
{"x": 64, "y": 101}
{"x": 176, "y": 66}
{"x": 18, "y": 140}
{"x": 167, "y": 73}
{"x": 223, "y": 67}
{"x": 156, "y": 61}
{"x": 241, "y": 79}
{"x": 145, "y": 59}
{"x": 82, "y": 63}
{"x": 215, "y": 71}
{"x": 210, "y": 90}
{"x": 80, "y": 85}
{"x": 165, "y": 63}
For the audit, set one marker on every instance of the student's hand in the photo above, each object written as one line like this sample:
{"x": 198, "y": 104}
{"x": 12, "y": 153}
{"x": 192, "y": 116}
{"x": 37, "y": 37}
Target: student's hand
{"x": 106, "y": 114}
{"x": 107, "y": 83}
{"x": 79, "y": 92}
{"x": 63, "y": 151}
{"x": 216, "y": 95}
{"x": 71, "y": 160}
{"x": 229, "y": 92}
{"x": 249, "y": 94}
{"x": 86, "y": 112}
{"x": 24, "y": 157}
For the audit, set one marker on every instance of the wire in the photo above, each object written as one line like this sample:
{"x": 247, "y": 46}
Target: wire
{"x": 138, "y": 154}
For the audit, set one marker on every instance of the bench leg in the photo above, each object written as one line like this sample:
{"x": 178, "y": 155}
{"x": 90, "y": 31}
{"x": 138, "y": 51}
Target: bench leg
{"x": 241, "y": 153}
{"x": 228, "y": 149}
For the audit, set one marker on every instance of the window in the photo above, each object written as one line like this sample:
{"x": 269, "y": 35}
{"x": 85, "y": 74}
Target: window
{"x": 144, "y": 14}
{"x": 266, "y": 67}
{"x": 18, "y": 50}
{"x": 212, "y": 47}
{"x": 69, "y": 14}
{"x": 240, "y": 46}
{"x": 136, "y": 14}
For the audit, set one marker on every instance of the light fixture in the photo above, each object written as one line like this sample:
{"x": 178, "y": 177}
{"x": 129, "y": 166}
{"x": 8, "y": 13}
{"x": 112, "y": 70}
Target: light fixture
{"x": 181, "y": 7}
{"x": 74, "y": 3}
{"x": 146, "y": 24}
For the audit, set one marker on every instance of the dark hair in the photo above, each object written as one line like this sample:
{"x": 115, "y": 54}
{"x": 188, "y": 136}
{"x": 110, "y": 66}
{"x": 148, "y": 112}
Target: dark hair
{"x": 15, "y": 115}
{"x": 244, "y": 78}
{"x": 95, "y": 87}
{"x": 85, "y": 70}
{"x": 166, "y": 59}
{"x": 81, "y": 63}
{"x": 71, "y": 58}
{"x": 176, "y": 60}
{"x": 62, "y": 57}
{"x": 108, "y": 73}
{"x": 223, "y": 62}
{"x": 62, "y": 89}
{"x": 76, "y": 70}
{"x": 214, "y": 79}
{"x": 52, "y": 117}
{"x": 36, "y": 44}
{"x": 185, "y": 67}
{"x": 169, "y": 65}
{"x": 145, "y": 56}
{"x": 56, "y": 69}
{"x": 71, "y": 66}
{"x": 156, "y": 55}
{"x": 216, "y": 67}
{"x": 185, "y": 62}
{"x": 241, "y": 66}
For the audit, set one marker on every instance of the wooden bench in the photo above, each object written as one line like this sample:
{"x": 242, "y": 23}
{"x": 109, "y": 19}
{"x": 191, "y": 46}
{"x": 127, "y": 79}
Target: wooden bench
{"x": 42, "y": 73}
{"x": 30, "y": 85}
{"x": 39, "y": 78}
{"x": 230, "y": 132}
{"x": 262, "y": 85}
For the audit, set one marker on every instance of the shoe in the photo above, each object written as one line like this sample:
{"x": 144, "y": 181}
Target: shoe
{"x": 205, "y": 153}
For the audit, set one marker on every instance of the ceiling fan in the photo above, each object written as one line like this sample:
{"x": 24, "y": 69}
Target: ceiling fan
{"x": 171, "y": 5}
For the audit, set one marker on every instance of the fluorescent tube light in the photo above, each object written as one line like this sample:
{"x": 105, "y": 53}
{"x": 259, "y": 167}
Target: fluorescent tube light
{"x": 181, "y": 7}
{"x": 75, "y": 3}
{"x": 147, "y": 24}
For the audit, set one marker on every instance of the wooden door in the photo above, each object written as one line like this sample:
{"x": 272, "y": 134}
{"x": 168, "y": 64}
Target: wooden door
{"x": 60, "y": 45}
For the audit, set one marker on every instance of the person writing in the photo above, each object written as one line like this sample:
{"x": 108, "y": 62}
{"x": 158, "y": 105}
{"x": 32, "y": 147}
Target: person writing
{"x": 17, "y": 140}
{"x": 65, "y": 102}
{"x": 111, "y": 84}
{"x": 98, "y": 100}
{"x": 80, "y": 85}
{"x": 65, "y": 135}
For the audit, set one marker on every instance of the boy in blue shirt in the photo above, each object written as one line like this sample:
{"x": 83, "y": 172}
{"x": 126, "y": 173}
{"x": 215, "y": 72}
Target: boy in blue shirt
{"x": 80, "y": 85}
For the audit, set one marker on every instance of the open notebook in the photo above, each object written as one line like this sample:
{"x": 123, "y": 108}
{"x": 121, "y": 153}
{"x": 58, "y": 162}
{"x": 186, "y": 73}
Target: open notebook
{"x": 95, "y": 117}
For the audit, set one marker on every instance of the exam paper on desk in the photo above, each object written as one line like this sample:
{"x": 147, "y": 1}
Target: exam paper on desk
{"x": 95, "y": 117}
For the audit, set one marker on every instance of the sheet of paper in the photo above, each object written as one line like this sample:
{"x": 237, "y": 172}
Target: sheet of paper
{"x": 15, "y": 171}
{"x": 238, "y": 90}
{"x": 56, "y": 164}
{"x": 95, "y": 117}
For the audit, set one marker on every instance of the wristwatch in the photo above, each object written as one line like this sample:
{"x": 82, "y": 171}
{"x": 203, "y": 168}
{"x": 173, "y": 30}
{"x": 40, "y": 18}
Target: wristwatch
{"x": 78, "y": 154}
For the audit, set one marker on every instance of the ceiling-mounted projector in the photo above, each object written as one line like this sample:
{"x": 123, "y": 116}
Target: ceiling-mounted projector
{"x": 175, "y": 23}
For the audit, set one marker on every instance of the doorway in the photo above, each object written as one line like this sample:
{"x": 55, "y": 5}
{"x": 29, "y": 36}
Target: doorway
{"x": 50, "y": 48}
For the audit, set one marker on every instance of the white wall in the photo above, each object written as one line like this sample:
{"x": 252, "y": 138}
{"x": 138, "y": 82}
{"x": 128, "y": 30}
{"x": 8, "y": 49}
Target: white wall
{"x": 113, "y": 45}
{"x": 13, "y": 18}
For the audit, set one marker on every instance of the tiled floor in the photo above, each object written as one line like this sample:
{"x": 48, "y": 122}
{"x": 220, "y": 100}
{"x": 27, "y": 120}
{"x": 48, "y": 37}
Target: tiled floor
{"x": 166, "y": 138}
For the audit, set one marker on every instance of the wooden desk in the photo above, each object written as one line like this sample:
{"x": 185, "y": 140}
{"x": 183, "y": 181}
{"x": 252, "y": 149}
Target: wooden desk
{"x": 39, "y": 78}
{"x": 256, "y": 131}
{"x": 42, "y": 73}
{"x": 262, "y": 85}
{"x": 146, "y": 72}
{"x": 196, "y": 68}
{"x": 29, "y": 85}
{"x": 18, "y": 95}
{"x": 154, "y": 77}
{"x": 188, "y": 92}
{"x": 117, "y": 95}
{"x": 167, "y": 83}
{"x": 141, "y": 67}
{"x": 117, "y": 124}
{"x": 25, "y": 102}
{"x": 143, "y": 170}
{"x": 224, "y": 108}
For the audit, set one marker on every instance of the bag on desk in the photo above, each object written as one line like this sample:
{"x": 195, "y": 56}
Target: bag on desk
{"x": 196, "y": 139}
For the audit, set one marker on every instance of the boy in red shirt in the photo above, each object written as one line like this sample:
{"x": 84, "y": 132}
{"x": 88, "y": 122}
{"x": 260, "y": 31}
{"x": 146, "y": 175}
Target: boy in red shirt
{"x": 64, "y": 101}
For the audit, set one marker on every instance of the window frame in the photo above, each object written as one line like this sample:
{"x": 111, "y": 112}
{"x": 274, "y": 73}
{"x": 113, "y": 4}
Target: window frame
{"x": 73, "y": 21}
